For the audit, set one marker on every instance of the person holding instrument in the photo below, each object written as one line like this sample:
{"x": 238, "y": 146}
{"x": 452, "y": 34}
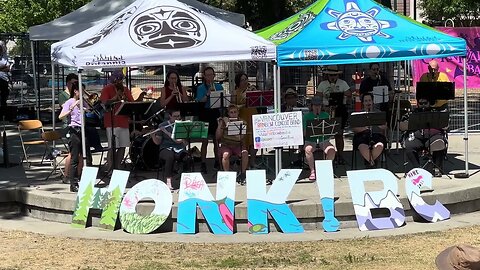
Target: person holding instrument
{"x": 4, "y": 70}
{"x": 335, "y": 85}
{"x": 172, "y": 93}
{"x": 434, "y": 75}
{"x": 370, "y": 141}
{"x": 375, "y": 78}
{"x": 416, "y": 141}
{"x": 231, "y": 144}
{"x": 170, "y": 149}
{"x": 209, "y": 115}
{"x": 71, "y": 108}
{"x": 317, "y": 142}
{"x": 112, "y": 95}
{"x": 241, "y": 87}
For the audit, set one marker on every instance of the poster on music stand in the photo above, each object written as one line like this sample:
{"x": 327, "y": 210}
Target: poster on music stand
{"x": 277, "y": 129}
{"x": 219, "y": 99}
{"x": 380, "y": 94}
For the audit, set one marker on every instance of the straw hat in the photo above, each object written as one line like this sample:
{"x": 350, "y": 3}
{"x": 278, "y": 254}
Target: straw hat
{"x": 459, "y": 257}
{"x": 291, "y": 91}
{"x": 332, "y": 70}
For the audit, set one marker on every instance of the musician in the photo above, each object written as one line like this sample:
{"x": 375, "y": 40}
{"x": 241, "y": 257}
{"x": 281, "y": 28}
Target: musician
{"x": 416, "y": 141}
{"x": 290, "y": 100}
{"x": 209, "y": 115}
{"x": 71, "y": 108}
{"x": 231, "y": 144}
{"x": 370, "y": 141}
{"x": 4, "y": 78}
{"x": 335, "y": 85}
{"x": 172, "y": 93}
{"x": 241, "y": 87}
{"x": 376, "y": 78}
{"x": 170, "y": 150}
{"x": 314, "y": 143}
{"x": 112, "y": 95}
{"x": 434, "y": 75}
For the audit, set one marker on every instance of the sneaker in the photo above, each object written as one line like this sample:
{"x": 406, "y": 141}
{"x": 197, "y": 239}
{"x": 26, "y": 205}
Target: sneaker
{"x": 241, "y": 179}
{"x": 203, "y": 168}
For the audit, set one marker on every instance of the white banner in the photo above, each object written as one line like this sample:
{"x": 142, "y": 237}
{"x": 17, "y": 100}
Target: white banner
{"x": 277, "y": 129}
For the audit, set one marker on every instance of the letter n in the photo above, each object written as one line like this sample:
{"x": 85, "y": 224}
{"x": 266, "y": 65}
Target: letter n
{"x": 107, "y": 199}
{"x": 218, "y": 213}
{"x": 259, "y": 202}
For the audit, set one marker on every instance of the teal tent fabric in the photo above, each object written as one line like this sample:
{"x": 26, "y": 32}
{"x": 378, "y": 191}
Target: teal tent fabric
{"x": 356, "y": 31}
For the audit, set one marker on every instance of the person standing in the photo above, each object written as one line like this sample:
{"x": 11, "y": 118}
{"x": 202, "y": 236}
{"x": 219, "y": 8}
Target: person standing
{"x": 376, "y": 78}
{"x": 172, "y": 93}
{"x": 112, "y": 95}
{"x": 210, "y": 115}
{"x": 71, "y": 108}
{"x": 333, "y": 84}
{"x": 4, "y": 78}
{"x": 434, "y": 75}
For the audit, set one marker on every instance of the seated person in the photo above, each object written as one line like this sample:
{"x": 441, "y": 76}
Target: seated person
{"x": 241, "y": 87}
{"x": 231, "y": 144}
{"x": 314, "y": 143}
{"x": 333, "y": 84}
{"x": 290, "y": 100}
{"x": 170, "y": 150}
{"x": 370, "y": 141}
{"x": 416, "y": 141}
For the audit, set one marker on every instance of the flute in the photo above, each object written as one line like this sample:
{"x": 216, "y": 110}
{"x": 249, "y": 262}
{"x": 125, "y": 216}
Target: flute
{"x": 160, "y": 129}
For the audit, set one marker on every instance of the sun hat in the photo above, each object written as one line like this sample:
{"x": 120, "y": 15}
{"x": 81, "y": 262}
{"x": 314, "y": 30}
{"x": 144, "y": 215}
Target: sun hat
{"x": 332, "y": 70}
{"x": 116, "y": 75}
{"x": 291, "y": 91}
{"x": 459, "y": 257}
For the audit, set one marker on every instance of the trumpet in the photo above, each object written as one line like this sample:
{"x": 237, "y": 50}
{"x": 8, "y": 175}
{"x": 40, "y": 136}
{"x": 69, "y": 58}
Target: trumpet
{"x": 177, "y": 94}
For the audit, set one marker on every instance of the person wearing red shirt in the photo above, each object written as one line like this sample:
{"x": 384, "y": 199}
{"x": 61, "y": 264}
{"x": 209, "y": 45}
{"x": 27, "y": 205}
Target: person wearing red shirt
{"x": 111, "y": 96}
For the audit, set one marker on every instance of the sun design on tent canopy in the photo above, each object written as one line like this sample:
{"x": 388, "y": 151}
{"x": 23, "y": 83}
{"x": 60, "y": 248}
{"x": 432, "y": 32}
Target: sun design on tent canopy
{"x": 355, "y": 22}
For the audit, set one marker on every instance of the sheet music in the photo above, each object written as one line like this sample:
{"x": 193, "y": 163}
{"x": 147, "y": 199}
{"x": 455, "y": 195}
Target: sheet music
{"x": 233, "y": 128}
{"x": 380, "y": 94}
{"x": 215, "y": 99}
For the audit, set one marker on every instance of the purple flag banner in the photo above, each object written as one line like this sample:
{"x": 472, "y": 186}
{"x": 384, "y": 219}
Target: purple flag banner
{"x": 453, "y": 66}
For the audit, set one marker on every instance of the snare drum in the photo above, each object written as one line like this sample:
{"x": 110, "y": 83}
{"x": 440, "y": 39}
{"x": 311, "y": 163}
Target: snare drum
{"x": 144, "y": 153}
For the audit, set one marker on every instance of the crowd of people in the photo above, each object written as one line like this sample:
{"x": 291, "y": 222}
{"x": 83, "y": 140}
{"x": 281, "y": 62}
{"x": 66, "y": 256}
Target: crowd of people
{"x": 330, "y": 100}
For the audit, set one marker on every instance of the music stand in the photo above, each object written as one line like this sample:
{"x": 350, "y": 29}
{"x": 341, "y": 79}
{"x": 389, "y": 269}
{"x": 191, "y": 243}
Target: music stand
{"x": 379, "y": 94}
{"x": 191, "y": 108}
{"x": 219, "y": 100}
{"x": 432, "y": 91}
{"x": 318, "y": 128}
{"x": 364, "y": 119}
{"x": 259, "y": 98}
{"x": 132, "y": 109}
{"x": 189, "y": 130}
{"x": 427, "y": 121}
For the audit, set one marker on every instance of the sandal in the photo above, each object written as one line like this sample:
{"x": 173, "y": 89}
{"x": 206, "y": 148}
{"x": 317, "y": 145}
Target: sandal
{"x": 312, "y": 177}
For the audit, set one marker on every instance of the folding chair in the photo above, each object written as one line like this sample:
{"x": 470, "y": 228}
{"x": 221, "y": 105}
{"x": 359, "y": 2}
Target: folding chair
{"x": 50, "y": 137}
{"x": 30, "y": 127}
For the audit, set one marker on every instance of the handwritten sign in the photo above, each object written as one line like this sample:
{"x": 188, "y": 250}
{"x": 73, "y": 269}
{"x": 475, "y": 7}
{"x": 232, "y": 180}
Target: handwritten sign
{"x": 277, "y": 130}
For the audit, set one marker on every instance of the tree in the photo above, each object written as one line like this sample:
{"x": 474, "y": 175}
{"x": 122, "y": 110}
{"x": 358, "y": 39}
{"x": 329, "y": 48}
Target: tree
{"x": 97, "y": 200}
{"x": 81, "y": 211}
{"x": 462, "y": 12}
{"x": 110, "y": 212}
{"x": 17, "y": 16}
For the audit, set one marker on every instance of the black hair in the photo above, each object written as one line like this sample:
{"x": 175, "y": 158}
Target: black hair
{"x": 167, "y": 83}
{"x": 238, "y": 78}
{"x": 74, "y": 87}
{"x": 362, "y": 98}
{"x": 373, "y": 63}
{"x": 71, "y": 76}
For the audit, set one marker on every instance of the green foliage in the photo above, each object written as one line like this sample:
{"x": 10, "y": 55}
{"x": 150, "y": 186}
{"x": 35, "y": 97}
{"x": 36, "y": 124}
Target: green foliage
{"x": 462, "y": 12}
{"x": 81, "y": 211}
{"x": 97, "y": 200}
{"x": 135, "y": 223}
{"x": 104, "y": 199}
{"x": 110, "y": 212}
{"x": 17, "y": 16}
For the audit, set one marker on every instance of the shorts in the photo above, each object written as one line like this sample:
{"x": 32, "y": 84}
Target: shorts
{"x": 233, "y": 150}
{"x": 122, "y": 137}
{"x": 365, "y": 138}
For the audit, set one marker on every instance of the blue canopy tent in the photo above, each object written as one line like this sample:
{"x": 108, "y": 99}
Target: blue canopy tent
{"x": 333, "y": 32}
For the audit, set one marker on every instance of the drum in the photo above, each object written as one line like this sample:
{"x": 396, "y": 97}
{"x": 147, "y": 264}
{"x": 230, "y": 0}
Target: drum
{"x": 144, "y": 153}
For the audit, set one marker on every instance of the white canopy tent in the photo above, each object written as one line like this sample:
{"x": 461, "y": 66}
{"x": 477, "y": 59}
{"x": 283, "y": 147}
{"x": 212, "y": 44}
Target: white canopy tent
{"x": 159, "y": 32}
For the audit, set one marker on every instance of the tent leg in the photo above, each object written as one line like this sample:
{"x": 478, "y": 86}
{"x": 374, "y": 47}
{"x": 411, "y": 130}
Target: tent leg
{"x": 35, "y": 78}
{"x": 277, "y": 100}
{"x": 465, "y": 134}
{"x": 82, "y": 115}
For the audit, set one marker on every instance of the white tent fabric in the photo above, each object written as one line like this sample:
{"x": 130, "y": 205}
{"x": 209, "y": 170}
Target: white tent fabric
{"x": 158, "y": 32}
{"x": 96, "y": 11}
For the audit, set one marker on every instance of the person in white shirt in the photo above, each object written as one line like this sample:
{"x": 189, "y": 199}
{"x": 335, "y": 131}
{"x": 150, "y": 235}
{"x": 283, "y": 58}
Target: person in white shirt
{"x": 337, "y": 107}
